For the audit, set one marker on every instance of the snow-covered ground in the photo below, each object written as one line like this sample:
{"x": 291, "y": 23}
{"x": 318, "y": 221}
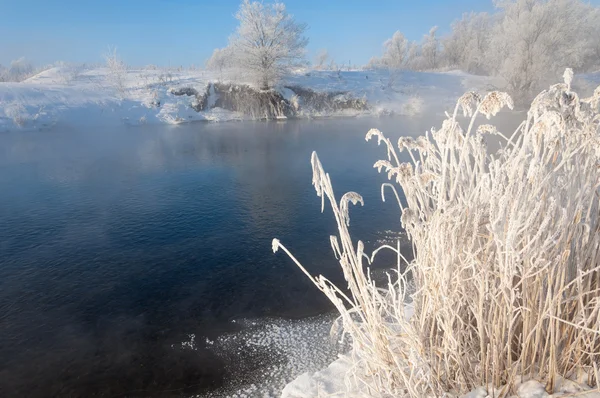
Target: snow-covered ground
{"x": 62, "y": 95}
{"x": 330, "y": 382}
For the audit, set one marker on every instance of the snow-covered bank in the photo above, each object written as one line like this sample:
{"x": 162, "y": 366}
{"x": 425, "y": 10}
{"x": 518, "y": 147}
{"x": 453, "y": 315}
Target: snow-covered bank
{"x": 154, "y": 96}
{"x": 330, "y": 382}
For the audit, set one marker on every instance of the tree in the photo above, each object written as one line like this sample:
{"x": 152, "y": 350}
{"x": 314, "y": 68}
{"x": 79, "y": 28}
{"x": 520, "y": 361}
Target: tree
{"x": 268, "y": 41}
{"x": 321, "y": 59}
{"x": 534, "y": 41}
{"x": 395, "y": 49}
{"x": 413, "y": 56}
{"x": 468, "y": 43}
{"x": 430, "y": 49}
{"x": 117, "y": 69}
{"x": 222, "y": 58}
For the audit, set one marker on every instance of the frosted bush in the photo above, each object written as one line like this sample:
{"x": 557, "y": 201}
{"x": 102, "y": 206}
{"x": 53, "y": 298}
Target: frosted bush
{"x": 117, "y": 70}
{"x": 505, "y": 282}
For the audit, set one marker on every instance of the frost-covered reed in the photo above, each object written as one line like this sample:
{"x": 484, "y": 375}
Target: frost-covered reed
{"x": 505, "y": 283}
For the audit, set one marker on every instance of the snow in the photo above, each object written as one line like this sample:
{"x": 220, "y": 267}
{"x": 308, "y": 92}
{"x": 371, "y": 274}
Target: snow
{"x": 325, "y": 383}
{"x": 329, "y": 382}
{"x": 62, "y": 95}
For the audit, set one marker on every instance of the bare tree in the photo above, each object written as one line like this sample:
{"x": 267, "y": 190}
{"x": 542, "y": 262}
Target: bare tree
{"x": 268, "y": 41}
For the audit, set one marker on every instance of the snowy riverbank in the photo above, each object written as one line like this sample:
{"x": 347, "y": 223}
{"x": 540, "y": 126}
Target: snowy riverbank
{"x": 61, "y": 95}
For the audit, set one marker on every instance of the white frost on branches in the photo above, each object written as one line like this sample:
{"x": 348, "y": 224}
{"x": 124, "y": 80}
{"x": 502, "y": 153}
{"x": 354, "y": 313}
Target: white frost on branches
{"x": 267, "y": 42}
{"x": 527, "y": 43}
{"x": 395, "y": 51}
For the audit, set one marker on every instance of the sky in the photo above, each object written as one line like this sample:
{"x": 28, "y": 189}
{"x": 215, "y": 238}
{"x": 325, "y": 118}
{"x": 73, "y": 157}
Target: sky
{"x": 185, "y": 32}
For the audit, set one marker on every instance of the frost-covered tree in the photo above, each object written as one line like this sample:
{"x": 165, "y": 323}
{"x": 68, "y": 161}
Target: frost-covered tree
{"x": 20, "y": 68}
{"x": 430, "y": 49}
{"x": 535, "y": 40}
{"x": 374, "y": 63}
{"x": 395, "y": 49}
{"x": 467, "y": 45}
{"x": 3, "y": 73}
{"x": 221, "y": 59}
{"x": 413, "y": 56}
{"x": 321, "y": 59}
{"x": 593, "y": 52}
{"x": 117, "y": 69}
{"x": 268, "y": 41}
{"x": 399, "y": 53}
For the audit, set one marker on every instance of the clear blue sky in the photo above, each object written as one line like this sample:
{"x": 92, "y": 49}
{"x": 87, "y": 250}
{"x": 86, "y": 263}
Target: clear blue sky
{"x": 184, "y": 32}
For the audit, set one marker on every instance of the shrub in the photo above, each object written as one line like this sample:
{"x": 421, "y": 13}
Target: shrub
{"x": 117, "y": 70}
{"x": 506, "y": 271}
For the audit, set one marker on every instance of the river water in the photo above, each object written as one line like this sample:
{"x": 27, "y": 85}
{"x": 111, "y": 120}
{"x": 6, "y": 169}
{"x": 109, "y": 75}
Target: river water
{"x": 121, "y": 247}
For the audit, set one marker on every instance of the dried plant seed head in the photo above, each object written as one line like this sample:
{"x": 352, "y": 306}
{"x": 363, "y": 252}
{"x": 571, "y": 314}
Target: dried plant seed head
{"x": 568, "y": 77}
{"x": 469, "y": 102}
{"x": 494, "y": 102}
{"x": 275, "y": 245}
{"x": 349, "y": 197}
{"x": 406, "y": 142}
{"x": 375, "y": 133}
{"x": 487, "y": 129}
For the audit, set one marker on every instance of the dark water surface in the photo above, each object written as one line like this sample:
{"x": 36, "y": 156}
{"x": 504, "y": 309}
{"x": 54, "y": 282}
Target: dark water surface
{"x": 116, "y": 244}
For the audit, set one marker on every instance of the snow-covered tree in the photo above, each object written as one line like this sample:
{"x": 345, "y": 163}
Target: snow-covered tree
{"x": 430, "y": 49}
{"x": 20, "y": 68}
{"x": 221, "y": 59}
{"x": 3, "y": 73}
{"x": 413, "y": 56}
{"x": 399, "y": 53}
{"x": 321, "y": 59}
{"x": 467, "y": 45}
{"x": 374, "y": 63}
{"x": 592, "y": 62}
{"x": 535, "y": 40}
{"x": 268, "y": 41}
{"x": 395, "y": 49}
{"x": 117, "y": 69}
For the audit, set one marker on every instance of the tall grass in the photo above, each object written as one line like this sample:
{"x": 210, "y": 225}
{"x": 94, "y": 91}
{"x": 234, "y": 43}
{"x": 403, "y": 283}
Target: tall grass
{"x": 506, "y": 274}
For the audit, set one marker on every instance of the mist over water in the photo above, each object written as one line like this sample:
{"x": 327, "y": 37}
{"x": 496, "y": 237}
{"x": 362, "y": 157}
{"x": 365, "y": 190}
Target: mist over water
{"x": 116, "y": 245}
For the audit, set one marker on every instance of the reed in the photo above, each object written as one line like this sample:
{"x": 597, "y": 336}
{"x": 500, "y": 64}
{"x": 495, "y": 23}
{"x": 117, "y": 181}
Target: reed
{"x": 506, "y": 274}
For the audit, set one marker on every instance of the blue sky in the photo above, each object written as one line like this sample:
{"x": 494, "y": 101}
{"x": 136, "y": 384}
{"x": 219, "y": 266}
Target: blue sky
{"x": 184, "y": 32}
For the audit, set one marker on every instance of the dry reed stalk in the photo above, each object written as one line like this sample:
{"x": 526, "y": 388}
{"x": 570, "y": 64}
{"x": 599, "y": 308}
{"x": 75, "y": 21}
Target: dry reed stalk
{"x": 507, "y": 268}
